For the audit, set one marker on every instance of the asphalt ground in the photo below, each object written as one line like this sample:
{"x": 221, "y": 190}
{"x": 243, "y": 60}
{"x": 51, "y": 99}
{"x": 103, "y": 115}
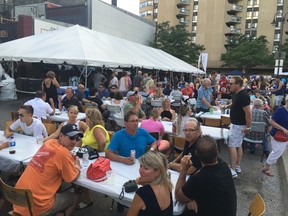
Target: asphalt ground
{"x": 250, "y": 181}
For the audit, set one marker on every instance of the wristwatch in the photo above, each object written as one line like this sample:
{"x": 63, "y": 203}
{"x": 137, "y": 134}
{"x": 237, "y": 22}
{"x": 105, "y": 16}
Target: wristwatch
{"x": 248, "y": 128}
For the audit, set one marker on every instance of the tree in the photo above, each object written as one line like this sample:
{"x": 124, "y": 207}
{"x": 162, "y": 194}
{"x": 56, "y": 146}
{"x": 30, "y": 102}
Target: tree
{"x": 177, "y": 41}
{"x": 247, "y": 52}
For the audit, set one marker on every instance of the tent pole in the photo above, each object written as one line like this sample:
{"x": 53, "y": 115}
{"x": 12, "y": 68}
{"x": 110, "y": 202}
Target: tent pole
{"x": 86, "y": 71}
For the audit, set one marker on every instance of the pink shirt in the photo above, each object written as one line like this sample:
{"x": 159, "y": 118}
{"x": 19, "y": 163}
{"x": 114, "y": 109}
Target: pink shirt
{"x": 152, "y": 126}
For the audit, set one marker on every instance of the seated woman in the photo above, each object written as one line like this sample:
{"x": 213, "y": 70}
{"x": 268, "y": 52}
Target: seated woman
{"x": 155, "y": 197}
{"x": 72, "y": 113}
{"x": 179, "y": 123}
{"x": 166, "y": 113}
{"x": 96, "y": 135}
{"x": 98, "y": 138}
{"x": 153, "y": 125}
{"x": 118, "y": 99}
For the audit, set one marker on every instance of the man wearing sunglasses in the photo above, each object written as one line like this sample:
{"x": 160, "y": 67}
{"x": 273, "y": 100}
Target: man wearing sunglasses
{"x": 46, "y": 171}
{"x": 30, "y": 126}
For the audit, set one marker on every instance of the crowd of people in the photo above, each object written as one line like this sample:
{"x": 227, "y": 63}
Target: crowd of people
{"x": 248, "y": 99}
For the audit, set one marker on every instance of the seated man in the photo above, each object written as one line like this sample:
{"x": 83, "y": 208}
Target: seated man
{"x": 69, "y": 100}
{"x": 259, "y": 115}
{"x": 45, "y": 173}
{"x": 80, "y": 94}
{"x": 211, "y": 191}
{"x": 130, "y": 138}
{"x": 103, "y": 92}
{"x": 192, "y": 132}
{"x": 30, "y": 126}
{"x": 134, "y": 104}
{"x": 41, "y": 108}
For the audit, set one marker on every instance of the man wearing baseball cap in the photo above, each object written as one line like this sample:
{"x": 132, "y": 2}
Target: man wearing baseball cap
{"x": 46, "y": 171}
{"x": 134, "y": 104}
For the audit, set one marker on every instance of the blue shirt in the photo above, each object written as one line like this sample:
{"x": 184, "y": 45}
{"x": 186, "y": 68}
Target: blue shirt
{"x": 104, "y": 93}
{"x": 280, "y": 117}
{"x": 206, "y": 93}
{"x": 123, "y": 143}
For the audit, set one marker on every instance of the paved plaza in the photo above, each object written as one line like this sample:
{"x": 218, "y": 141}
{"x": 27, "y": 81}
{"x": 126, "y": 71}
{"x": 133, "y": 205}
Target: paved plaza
{"x": 250, "y": 181}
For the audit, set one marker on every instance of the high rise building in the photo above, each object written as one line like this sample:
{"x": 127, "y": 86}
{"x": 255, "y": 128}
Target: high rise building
{"x": 212, "y": 22}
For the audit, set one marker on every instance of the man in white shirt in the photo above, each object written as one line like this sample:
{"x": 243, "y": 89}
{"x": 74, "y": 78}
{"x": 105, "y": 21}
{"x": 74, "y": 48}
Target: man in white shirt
{"x": 41, "y": 108}
{"x": 30, "y": 126}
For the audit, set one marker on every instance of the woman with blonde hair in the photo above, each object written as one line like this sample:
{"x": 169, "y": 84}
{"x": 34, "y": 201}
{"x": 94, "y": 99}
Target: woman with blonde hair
{"x": 166, "y": 113}
{"x": 153, "y": 125}
{"x": 72, "y": 113}
{"x": 179, "y": 123}
{"x": 96, "y": 135}
{"x": 155, "y": 197}
{"x": 50, "y": 86}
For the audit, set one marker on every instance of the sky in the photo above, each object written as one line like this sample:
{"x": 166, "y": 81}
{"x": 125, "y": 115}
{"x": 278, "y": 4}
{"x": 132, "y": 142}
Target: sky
{"x": 129, "y": 5}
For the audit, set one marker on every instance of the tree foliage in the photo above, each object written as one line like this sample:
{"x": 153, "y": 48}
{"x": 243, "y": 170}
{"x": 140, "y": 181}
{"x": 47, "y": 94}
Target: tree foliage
{"x": 177, "y": 41}
{"x": 247, "y": 52}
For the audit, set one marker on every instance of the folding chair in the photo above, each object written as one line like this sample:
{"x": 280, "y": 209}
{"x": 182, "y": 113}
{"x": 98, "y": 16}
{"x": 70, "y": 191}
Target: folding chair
{"x": 258, "y": 129}
{"x": 179, "y": 143}
{"x": 212, "y": 122}
{"x": 20, "y": 197}
{"x": 47, "y": 121}
{"x": 7, "y": 125}
{"x": 257, "y": 206}
{"x": 50, "y": 127}
{"x": 14, "y": 116}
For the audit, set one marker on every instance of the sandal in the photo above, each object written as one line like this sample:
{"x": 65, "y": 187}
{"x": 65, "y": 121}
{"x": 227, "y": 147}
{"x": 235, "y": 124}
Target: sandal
{"x": 83, "y": 205}
{"x": 267, "y": 172}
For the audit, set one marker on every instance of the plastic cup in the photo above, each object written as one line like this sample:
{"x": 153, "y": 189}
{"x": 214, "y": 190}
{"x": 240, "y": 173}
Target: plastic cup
{"x": 39, "y": 140}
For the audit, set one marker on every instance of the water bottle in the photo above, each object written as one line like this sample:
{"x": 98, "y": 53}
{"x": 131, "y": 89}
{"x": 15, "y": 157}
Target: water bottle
{"x": 12, "y": 142}
{"x": 63, "y": 109}
{"x": 211, "y": 110}
{"x": 85, "y": 157}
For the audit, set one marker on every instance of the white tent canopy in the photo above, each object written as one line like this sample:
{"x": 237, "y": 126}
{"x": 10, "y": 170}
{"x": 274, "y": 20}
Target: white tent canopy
{"x": 78, "y": 45}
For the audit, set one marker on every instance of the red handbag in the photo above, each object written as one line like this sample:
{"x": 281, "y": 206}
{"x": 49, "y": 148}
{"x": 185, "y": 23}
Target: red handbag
{"x": 97, "y": 170}
{"x": 280, "y": 136}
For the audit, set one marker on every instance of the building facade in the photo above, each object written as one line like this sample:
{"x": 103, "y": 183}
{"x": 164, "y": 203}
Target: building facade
{"x": 212, "y": 22}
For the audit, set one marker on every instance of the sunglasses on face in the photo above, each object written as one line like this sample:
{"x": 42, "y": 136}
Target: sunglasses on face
{"x": 20, "y": 115}
{"x": 76, "y": 137}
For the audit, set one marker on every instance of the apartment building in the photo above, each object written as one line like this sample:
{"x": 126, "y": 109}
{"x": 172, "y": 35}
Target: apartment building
{"x": 212, "y": 22}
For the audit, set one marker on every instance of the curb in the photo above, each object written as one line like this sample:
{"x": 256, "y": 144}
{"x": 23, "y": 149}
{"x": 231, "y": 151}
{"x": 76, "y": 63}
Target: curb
{"x": 283, "y": 168}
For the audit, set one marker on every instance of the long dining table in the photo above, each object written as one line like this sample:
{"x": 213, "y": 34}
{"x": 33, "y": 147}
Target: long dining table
{"x": 26, "y": 147}
{"x": 60, "y": 116}
{"x": 120, "y": 174}
{"x": 216, "y": 133}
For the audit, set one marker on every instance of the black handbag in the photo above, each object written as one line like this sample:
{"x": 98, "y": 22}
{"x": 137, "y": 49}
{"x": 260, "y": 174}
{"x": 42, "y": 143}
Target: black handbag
{"x": 128, "y": 187}
{"x": 93, "y": 153}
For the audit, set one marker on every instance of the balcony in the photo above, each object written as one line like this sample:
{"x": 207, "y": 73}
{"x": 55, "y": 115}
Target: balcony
{"x": 233, "y": 1}
{"x": 183, "y": 3}
{"x": 184, "y": 21}
{"x": 234, "y": 20}
{"x": 183, "y": 12}
{"x": 233, "y": 31}
{"x": 234, "y": 9}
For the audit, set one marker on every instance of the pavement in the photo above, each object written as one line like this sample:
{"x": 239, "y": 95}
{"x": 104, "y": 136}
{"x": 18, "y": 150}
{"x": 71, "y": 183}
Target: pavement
{"x": 251, "y": 180}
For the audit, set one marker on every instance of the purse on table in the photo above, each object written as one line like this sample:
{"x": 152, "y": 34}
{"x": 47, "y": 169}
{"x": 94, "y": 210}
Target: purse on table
{"x": 128, "y": 187}
{"x": 97, "y": 170}
{"x": 93, "y": 153}
{"x": 280, "y": 136}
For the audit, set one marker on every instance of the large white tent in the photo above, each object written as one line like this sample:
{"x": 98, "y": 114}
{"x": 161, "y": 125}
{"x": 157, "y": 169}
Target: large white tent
{"x": 78, "y": 45}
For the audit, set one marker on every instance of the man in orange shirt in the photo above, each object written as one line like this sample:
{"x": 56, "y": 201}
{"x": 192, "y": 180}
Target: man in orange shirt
{"x": 52, "y": 164}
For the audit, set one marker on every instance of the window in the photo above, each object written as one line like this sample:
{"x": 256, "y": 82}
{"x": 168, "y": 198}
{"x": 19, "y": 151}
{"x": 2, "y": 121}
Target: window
{"x": 194, "y": 28}
{"x": 255, "y": 14}
{"x": 145, "y": 4}
{"x": 277, "y": 37}
{"x": 193, "y": 38}
{"x": 195, "y": 7}
{"x": 249, "y": 14}
{"x": 194, "y": 19}
{"x": 280, "y": 2}
{"x": 155, "y": 10}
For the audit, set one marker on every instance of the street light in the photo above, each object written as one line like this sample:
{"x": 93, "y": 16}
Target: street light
{"x": 278, "y": 55}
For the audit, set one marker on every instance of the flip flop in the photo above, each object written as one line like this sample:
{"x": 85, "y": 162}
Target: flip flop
{"x": 267, "y": 172}
{"x": 83, "y": 205}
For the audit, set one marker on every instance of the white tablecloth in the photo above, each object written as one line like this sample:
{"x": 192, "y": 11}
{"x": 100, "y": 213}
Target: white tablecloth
{"x": 62, "y": 116}
{"x": 208, "y": 115}
{"x": 25, "y": 149}
{"x": 120, "y": 174}
{"x": 216, "y": 133}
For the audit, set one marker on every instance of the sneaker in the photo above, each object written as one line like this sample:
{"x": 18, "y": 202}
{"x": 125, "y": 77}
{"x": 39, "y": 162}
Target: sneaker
{"x": 233, "y": 173}
{"x": 238, "y": 169}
